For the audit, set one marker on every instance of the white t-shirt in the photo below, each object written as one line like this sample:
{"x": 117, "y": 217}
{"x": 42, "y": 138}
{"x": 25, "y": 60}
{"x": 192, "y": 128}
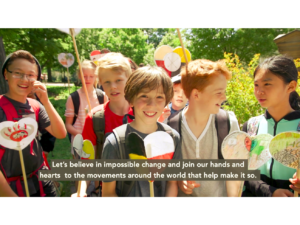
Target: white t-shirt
{"x": 204, "y": 147}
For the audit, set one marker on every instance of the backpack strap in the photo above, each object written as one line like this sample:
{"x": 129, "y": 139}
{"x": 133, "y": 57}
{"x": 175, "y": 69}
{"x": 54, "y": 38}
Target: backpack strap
{"x": 9, "y": 110}
{"x": 175, "y": 121}
{"x": 120, "y": 134}
{"x": 76, "y": 103}
{"x": 12, "y": 115}
{"x": 222, "y": 124}
{"x": 100, "y": 96}
{"x": 99, "y": 128}
{"x": 35, "y": 107}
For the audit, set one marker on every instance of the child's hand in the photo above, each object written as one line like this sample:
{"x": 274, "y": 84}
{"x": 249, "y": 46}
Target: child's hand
{"x": 295, "y": 183}
{"x": 81, "y": 195}
{"x": 188, "y": 186}
{"x": 165, "y": 114}
{"x": 41, "y": 91}
{"x": 282, "y": 193}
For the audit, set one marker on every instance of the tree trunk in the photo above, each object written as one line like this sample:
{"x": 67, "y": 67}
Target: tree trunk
{"x": 3, "y": 83}
{"x": 49, "y": 74}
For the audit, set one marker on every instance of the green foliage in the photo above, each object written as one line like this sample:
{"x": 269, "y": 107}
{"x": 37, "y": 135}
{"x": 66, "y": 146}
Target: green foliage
{"x": 240, "y": 89}
{"x": 58, "y": 97}
{"x": 155, "y": 35}
{"x": 149, "y": 57}
{"x": 212, "y": 43}
{"x": 44, "y": 44}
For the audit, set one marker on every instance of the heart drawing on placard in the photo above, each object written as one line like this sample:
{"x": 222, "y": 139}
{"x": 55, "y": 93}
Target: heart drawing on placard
{"x": 240, "y": 145}
{"x": 18, "y": 135}
{"x": 66, "y": 59}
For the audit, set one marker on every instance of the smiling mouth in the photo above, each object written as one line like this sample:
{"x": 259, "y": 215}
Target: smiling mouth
{"x": 23, "y": 86}
{"x": 114, "y": 94}
{"x": 218, "y": 105}
{"x": 150, "y": 114}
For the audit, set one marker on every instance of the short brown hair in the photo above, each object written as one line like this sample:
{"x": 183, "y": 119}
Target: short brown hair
{"x": 113, "y": 61}
{"x": 199, "y": 74}
{"x": 148, "y": 77}
{"x": 20, "y": 54}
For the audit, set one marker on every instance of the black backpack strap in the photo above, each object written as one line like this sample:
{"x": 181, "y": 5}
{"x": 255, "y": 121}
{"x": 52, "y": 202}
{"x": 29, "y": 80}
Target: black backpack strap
{"x": 222, "y": 124}
{"x": 120, "y": 134}
{"x": 76, "y": 103}
{"x": 175, "y": 122}
{"x": 99, "y": 128}
{"x": 100, "y": 96}
{"x": 125, "y": 118}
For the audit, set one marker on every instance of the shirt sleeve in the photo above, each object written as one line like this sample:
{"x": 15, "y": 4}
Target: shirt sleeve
{"x": 88, "y": 130}
{"x": 44, "y": 120}
{"x": 69, "y": 107}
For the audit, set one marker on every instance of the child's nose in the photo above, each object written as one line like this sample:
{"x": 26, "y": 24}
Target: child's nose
{"x": 151, "y": 101}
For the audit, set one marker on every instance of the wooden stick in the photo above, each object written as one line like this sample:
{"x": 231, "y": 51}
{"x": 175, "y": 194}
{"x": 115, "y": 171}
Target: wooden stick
{"x": 23, "y": 170}
{"x": 298, "y": 177}
{"x": 78, "y": 188}
{"x": 68, "y": 79}
{"x": 241, "y": 189}
{"x": 151, "y": 188}
{"x": 183, "y": 49}
{"x": 80, "y": 68}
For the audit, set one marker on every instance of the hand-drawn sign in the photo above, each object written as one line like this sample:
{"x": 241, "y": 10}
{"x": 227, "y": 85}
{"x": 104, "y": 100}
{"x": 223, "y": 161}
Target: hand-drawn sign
{"x": 159, "y": 145}
{"x": 18, "y": 135}
{"x": 66, "y": 59}
{"x": 285, "y": 148}
{"x": 170, "y": 59}
{"x": 88, "y": 149}
{"x": 239, "y": 145}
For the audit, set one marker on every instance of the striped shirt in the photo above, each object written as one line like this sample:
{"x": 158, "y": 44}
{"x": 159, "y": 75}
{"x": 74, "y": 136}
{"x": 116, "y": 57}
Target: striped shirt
{"x": 81, "y": 111}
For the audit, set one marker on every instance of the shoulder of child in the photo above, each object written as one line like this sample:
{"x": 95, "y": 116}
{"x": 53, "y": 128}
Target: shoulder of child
{"x": 110, "y": 148}
{"x": 97, "y": 108}
{"x": 234, "y": 124}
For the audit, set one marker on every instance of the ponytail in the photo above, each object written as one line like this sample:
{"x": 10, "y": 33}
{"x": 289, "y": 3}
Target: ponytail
{"x": 295, "y": 100}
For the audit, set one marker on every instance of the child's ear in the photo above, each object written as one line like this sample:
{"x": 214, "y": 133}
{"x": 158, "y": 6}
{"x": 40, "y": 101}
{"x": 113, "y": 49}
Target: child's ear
{"x": 195, "y": 94}
{"x": 292, "y": 86}
{"x": 5, "y": 71}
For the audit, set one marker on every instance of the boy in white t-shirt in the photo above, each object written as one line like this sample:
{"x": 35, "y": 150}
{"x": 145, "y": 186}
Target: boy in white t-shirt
{"x": 204, "y": 86}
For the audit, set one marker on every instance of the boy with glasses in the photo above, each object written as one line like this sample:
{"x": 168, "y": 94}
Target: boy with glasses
{"x": 22, "y": 70}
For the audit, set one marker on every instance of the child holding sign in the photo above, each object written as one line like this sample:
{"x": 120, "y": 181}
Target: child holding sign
{"x": 275, "y": 81}
{"x": 148, "y": 90}
{"x": 22, "y": 70}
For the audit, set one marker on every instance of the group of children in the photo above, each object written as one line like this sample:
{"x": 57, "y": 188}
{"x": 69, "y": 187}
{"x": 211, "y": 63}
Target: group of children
{"x": 138, "y": 101}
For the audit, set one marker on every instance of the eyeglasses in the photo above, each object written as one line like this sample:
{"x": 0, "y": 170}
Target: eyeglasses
{"x": 18, "y": 75}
